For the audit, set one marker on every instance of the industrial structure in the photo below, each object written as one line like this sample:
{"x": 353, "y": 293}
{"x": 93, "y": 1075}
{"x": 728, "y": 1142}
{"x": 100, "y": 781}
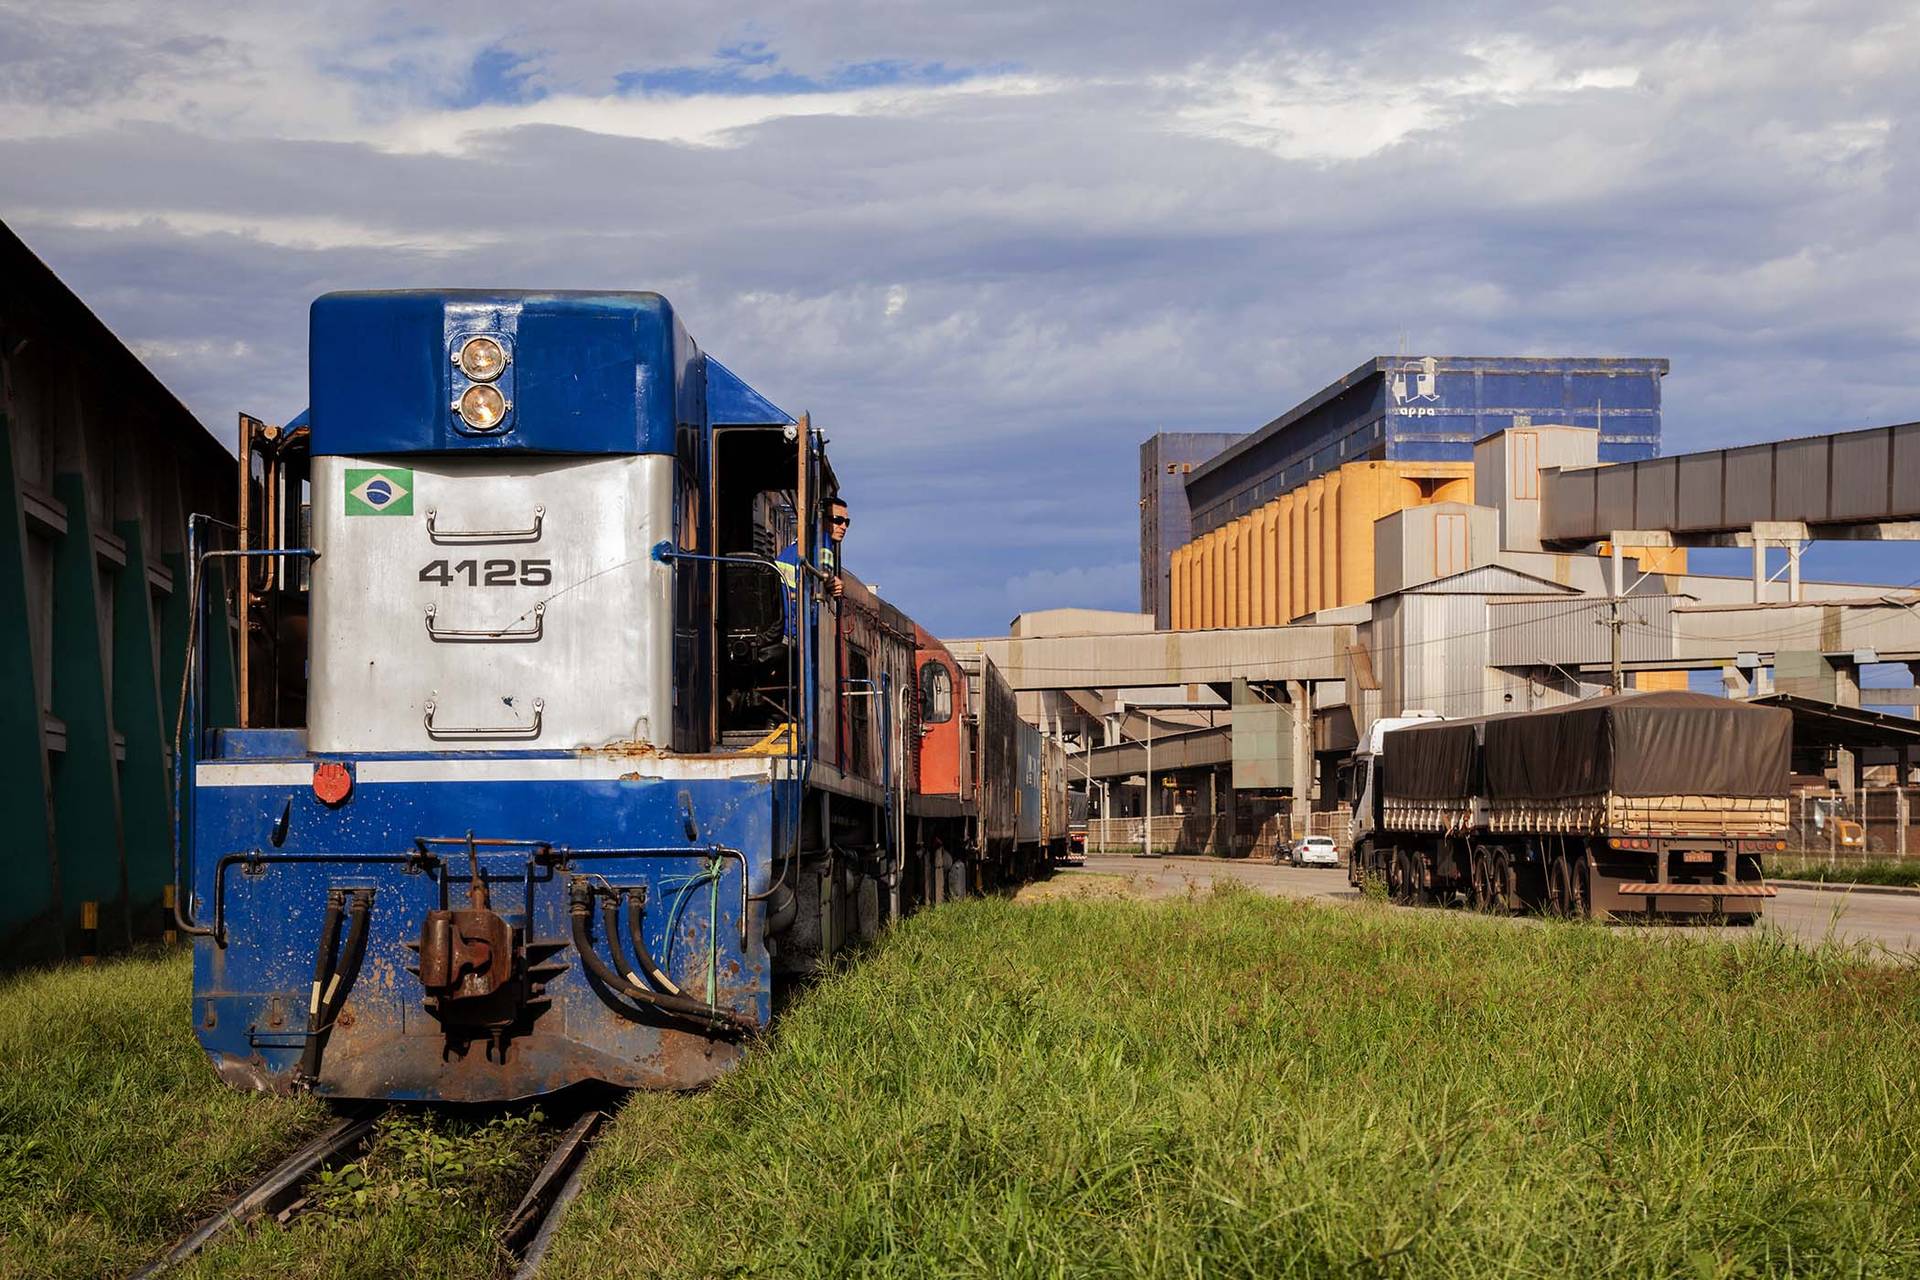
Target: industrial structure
{"x": 1469, "y": 537}
{"x": 99, "y": 466}
{"x": 1166, "y": 460}
{"x": 1283, "y": 519}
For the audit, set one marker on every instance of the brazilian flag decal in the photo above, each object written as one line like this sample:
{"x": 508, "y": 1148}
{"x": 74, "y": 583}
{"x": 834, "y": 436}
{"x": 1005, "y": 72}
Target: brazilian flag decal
{"x": 379, "y": 491}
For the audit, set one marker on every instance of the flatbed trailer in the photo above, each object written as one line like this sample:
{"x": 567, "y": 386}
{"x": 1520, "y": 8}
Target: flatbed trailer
{"x": 1629, "y": 806}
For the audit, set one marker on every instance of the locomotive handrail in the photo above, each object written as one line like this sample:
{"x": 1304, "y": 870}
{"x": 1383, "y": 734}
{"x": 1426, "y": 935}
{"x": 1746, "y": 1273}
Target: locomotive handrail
{"x": 186, "y": 729}
{"x": 504, "y": 635}
{"x": 484, "y": 731}
{"x": 457, "y": 537}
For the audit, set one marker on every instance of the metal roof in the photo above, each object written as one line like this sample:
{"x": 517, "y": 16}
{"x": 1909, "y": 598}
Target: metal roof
{"x": 1828, "y": 724}
{"x": 38, "y": 285}
{"x": 1378, "y": 365}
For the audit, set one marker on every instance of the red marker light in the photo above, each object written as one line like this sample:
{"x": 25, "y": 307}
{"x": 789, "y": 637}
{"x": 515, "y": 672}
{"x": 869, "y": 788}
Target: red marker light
{"x": 332, "y": 782}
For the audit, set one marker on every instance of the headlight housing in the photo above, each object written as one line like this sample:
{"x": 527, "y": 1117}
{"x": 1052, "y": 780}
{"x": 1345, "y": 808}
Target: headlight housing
{"x": 481, "y": 359}
{"x": 482, "y": 407}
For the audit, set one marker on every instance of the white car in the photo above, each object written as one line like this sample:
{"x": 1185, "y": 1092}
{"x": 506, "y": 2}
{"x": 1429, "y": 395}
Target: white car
{"x": 1316, "y": 851}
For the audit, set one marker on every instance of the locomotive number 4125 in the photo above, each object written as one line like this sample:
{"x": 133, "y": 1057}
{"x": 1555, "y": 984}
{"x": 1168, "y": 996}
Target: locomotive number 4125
{"x": 490, "y": 573}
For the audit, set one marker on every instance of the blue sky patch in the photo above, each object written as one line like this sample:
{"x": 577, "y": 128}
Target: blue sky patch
{"x": 754, "y": 68}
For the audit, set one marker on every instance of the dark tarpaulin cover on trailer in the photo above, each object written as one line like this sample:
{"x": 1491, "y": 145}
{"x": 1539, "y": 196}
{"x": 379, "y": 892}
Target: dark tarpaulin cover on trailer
{"x": 1640, "y": 744}
{"x": 1433, "y": 761}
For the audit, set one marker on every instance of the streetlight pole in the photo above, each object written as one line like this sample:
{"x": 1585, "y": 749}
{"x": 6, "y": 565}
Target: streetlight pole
{"x": 1146, "y": 833}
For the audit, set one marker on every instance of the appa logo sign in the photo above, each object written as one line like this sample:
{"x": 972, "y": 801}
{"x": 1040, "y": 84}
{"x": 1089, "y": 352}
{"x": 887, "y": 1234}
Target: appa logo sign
{"x": 1415, "y": 387}
{"x": 379, "y": 491}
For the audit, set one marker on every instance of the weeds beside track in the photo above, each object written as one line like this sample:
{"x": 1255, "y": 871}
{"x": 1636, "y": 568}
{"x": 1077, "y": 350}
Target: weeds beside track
{"x": 1242, "y": 1086}
{"x": 114, "y": 1134}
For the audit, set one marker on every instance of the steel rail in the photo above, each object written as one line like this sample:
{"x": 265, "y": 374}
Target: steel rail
{"x": 531, "y": 1225}
{"x": 277, "y": 1189}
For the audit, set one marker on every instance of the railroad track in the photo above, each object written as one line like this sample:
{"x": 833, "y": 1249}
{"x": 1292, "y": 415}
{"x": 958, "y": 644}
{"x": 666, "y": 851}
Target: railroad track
{"x": 525, "y": 1235}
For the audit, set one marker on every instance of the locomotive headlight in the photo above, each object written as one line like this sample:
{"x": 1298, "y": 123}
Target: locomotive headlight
{"x": 481, "y": 359}
{"x": 482, "y": 406}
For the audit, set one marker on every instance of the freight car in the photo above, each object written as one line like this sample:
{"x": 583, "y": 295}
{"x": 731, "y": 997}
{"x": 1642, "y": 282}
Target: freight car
{"x": 558, "y": 747}
{"x": 1628, "y": 806}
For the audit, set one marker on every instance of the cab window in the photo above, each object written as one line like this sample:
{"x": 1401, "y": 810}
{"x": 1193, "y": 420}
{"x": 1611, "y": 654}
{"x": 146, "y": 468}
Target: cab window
{"x": 936, "y": 694}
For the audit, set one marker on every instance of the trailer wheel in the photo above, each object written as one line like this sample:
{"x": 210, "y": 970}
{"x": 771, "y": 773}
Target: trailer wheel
{"x": 1419, "y": 880}
{"x": 1559, "y": 887}
{"x": 1579, "y": 890}
{"x": 1479, "y": 878}
{"x": 1500, "y": 886}
{"x": 1400, "y": 878}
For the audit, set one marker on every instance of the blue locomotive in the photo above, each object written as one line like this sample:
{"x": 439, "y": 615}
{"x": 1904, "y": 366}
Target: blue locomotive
{"x": 533, "y": 731}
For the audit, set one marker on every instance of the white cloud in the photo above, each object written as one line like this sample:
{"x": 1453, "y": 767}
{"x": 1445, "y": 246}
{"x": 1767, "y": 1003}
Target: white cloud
{"x": 990, "y": 290}
{"x": 1310, "y": 106}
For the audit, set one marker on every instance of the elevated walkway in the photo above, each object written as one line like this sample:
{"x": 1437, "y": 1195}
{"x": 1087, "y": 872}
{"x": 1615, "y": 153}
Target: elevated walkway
{"x": 1851, "y": 485}
{"x": 1305, "y": 652}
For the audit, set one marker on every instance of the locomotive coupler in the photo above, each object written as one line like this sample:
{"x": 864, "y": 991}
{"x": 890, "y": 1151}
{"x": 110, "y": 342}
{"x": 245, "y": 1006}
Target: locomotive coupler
{"x": 471, "y": 963}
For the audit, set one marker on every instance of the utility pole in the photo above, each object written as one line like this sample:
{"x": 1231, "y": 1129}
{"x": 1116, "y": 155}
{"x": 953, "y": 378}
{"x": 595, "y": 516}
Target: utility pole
{"x": 1146, "y": 832}
{"x": 1615, "y": 622}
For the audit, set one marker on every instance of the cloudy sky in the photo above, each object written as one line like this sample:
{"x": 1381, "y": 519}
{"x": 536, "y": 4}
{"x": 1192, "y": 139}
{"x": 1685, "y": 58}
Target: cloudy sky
{"x": 994, "y": 246}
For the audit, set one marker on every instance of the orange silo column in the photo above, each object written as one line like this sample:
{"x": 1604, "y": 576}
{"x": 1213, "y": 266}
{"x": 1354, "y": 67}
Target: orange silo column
{"x": 1231, "y": 586}
{"x": 1360, "y": 506}
{"x": 1283, "y": 559}
{"x": 1197, "y": 589}
{"x": 1217, "y": 578}
{"x": 1256, "y": 571}
{"x": 1183, "y": 592}
{"x": 1248, "y": 567}
{"x": 1316, "y": 502}
{"x": 1331, "y": 552}
{"x": 1297, "y": 555}
{"x": 1177, "y": 589}
{"x": 1195, "y": 564}
{"x": 1269, "y": 565}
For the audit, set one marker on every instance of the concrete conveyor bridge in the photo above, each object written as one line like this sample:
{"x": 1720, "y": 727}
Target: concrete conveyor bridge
{"x": 1851, "y": 485}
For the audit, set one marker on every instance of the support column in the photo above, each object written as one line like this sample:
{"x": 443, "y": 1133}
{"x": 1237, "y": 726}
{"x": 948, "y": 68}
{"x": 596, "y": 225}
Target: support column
{"x": 1229, "y": 817}
{"x": 145, "y": 797}
{"x": 30, "y": 907}
{"x": 1300, "y": 697}
{"x": 86, "y": 783}
{"x": 1759, "y": 568}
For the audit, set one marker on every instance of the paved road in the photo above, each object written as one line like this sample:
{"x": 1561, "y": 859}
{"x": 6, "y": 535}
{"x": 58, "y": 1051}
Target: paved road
{"x": 1889, "y": 920}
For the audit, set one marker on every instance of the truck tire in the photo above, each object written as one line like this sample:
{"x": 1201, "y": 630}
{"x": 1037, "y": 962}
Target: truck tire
{"x": 1559, "y": 888}
{"x": 1400, "y": 878}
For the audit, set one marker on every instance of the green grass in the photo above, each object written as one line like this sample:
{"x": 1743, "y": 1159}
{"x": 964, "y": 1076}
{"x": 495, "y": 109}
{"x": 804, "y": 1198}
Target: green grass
{"x": 425, "y": 1198}
{"x": 1242, "y": 1086}
{"x": 114, "y": 1133}
{"x": 1857, "y": 871}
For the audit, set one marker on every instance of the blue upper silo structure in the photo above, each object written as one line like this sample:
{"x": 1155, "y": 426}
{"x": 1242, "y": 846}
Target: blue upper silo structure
{"x": 1430, "y": 408}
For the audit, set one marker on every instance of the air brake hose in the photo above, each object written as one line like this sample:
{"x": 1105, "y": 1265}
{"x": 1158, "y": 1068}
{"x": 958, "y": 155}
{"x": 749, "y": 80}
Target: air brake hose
{"x": 340, "y": 981}
{"x": 581, "y": 910}
{"x": 636, "y": 907}
{"x": 324, "y": 955}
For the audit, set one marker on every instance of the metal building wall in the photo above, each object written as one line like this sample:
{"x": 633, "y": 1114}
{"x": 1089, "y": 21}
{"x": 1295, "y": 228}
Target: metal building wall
{"x": 1166, "y": 459}
{"x": 99, "y": 466}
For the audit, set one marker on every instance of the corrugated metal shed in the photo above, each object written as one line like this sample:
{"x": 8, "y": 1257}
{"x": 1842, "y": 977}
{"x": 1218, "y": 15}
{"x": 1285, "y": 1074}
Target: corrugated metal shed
{"x": 1417, "y": 545}
{"x": 1538, "y": 633}
{"x": 99, "y": 466}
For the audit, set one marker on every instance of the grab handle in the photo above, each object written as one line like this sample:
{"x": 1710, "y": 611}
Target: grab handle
{"x": 505, "y": 731}
{"x": 454, "y": 537}
{"x": 505, "y": 635}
